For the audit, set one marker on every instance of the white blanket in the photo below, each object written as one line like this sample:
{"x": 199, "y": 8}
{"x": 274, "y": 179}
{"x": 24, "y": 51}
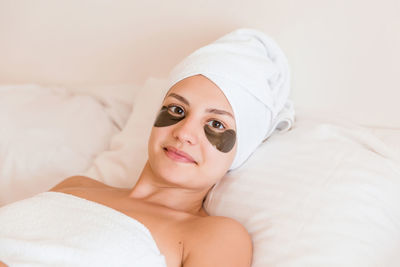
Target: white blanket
{"x": 57, "y": 229}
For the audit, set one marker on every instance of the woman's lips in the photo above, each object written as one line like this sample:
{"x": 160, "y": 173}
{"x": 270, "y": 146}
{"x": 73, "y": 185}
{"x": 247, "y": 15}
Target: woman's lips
{"x": 178, "y": 155}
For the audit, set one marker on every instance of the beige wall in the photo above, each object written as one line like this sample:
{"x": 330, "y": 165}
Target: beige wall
{"x": 344, "y": 54}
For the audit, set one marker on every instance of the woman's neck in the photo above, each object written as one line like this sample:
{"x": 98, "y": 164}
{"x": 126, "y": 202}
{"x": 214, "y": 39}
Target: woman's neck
{"x": 160, "y": 192}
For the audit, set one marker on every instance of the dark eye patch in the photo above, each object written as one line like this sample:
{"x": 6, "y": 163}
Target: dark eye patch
{"x": 223, "y": 141}
{"x": 164, "y": 118}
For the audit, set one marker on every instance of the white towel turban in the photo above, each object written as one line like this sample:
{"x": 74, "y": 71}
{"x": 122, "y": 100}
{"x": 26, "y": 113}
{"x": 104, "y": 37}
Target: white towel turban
{"x": 253, "y": 73}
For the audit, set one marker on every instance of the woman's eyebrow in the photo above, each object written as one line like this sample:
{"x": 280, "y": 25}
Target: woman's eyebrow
{"x": 180, "y": 98}
{"x": 219, "y": 112}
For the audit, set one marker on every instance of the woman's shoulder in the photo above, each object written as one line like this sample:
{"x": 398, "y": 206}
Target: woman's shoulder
{"x": 218, "y": 241}
{"x": 77, "y": 182}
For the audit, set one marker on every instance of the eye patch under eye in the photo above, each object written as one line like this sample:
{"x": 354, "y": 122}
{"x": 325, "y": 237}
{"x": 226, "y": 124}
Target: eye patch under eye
{"x": 223, "y": 141}
{"x": 164, "y": 118}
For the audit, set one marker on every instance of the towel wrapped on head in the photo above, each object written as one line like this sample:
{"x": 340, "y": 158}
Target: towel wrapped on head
{"x": 253, "y": 73}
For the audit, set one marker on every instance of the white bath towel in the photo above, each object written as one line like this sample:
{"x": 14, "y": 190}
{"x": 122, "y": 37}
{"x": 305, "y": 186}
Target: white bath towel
{"x": 57, "y": 229}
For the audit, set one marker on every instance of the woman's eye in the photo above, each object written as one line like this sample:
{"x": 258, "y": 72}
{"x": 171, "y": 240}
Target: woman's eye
{"x": 176, "y": 110}
{"x": 216, "y": 124}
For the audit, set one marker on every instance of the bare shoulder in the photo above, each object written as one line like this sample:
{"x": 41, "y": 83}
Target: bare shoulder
{"x": 218, "y": 241}
{"x": 77, "y": 181}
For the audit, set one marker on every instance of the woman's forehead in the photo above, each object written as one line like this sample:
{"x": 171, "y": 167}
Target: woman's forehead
{"x": 200, "y": 90}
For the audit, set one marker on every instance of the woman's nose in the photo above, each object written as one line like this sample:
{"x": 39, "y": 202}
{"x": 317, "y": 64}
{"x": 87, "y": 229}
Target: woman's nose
{"x": 187, "y": 131}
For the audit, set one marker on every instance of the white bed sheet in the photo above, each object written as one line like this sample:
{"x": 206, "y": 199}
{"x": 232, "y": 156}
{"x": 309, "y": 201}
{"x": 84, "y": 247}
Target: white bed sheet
{"x": 325, "y": 193}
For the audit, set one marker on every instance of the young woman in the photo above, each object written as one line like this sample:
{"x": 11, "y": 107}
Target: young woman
{"x": 181, "y": 169}
{"x": 209, "y": 122}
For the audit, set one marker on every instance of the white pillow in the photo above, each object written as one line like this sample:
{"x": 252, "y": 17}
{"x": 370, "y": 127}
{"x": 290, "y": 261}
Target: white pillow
{"x": 46, "y": 135}
{"x": 121, "y": 165}
{"x": 326, "y": 193}
{"x": 323, "y": 194}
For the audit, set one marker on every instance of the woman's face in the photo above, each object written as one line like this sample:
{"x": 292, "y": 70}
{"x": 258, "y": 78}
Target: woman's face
{"x": 193, "y": 141}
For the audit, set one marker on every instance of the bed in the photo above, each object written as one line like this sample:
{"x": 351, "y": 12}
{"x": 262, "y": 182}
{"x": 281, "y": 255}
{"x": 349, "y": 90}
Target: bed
{"x": 79, "y": 79}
